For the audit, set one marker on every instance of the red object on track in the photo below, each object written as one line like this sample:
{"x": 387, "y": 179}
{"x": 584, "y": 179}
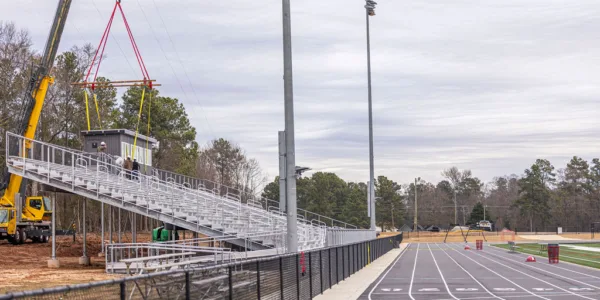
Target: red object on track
{"x": 530, "y": 259}
{"x": 553, "y": 253}
{"x": 479, "y": 244}
{"x": 467, "y": 247}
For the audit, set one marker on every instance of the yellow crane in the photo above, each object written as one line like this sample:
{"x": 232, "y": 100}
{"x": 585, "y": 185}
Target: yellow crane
{"x": 34, "y": 222}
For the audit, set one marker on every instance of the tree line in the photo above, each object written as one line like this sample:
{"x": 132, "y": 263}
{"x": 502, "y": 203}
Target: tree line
{"x": 541, "y": 199}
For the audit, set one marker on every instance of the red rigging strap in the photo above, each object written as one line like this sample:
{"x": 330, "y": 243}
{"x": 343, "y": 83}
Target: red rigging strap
{"x": 102, "y": 47}
{"x": 134, "y": 44}
{"x": 105, "y": 35}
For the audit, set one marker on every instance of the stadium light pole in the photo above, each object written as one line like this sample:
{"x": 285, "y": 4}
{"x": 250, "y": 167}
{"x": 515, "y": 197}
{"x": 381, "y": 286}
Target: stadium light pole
{"x": 291, "y": 207}
{"x": 370, "y": 11}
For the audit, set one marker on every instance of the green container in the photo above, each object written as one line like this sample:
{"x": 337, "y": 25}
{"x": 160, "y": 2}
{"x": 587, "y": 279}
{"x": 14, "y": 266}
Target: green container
{"x": 161, "y": 234}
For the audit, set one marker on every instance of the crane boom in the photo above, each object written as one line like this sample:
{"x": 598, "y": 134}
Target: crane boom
{"x": 35, "y": 95}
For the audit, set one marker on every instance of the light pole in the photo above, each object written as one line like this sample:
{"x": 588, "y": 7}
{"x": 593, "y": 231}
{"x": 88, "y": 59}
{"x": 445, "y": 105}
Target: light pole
{"x": 370, "y": 11}
{"x": 292, "y": 229}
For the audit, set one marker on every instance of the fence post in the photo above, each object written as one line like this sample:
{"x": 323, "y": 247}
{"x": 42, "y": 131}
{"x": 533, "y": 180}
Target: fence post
{"x": 321, "y": 269}
{"x": 281, "y": 275}
{"x": 310, "y": 274}
{"x": 343, "y": 265}
{"x": 360, "y": 258}
{"x": 330, "y": 275}
{"x": 121, "y": 285}
{"x": 187, "y": 285}
{"x": 353, "y": 258}
{"x": 230, "y": 283}
{"x": 337, "y": 269}
{"x": 298, "y": 276}
{"x": 258, "y": 280}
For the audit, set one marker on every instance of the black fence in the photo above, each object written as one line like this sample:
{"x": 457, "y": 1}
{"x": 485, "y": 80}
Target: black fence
{"x": 293, "y": 276}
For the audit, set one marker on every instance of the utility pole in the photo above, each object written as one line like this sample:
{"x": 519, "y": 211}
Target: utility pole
{"x": 416, "y": 224}
{"x": 393, "y": 227}
{"x": 484, "y": 212}
{"x": 370, "y": 11}
{"x": 291, "y": 207}
{"x": 455, "y": 209}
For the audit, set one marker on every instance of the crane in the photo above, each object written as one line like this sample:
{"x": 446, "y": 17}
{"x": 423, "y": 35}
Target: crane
{"x": 34, "y": 220}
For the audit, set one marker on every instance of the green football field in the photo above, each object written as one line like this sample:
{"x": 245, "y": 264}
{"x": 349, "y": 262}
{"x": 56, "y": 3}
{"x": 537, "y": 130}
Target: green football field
{"x": 582, "y": 254}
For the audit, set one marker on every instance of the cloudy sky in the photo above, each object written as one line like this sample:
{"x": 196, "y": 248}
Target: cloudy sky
{"x": 485, "y": 85}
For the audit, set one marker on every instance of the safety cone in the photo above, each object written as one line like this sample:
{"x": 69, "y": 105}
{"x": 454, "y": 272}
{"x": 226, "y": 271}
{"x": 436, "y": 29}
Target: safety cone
{"x": 467, "y": 247}
{"x": 530, "y": 259}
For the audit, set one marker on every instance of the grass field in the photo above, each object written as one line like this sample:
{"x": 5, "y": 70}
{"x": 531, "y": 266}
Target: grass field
{"x": 574, "y": 253}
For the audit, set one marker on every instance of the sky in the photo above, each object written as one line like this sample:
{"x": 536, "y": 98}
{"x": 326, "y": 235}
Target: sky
{"x": 483, "y": 85}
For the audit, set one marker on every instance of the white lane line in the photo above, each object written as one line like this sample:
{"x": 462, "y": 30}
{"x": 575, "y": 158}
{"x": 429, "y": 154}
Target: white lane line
{"x": 512, "y": 296}
{"x": 467, "y": 289}
{"x": 504, "y": 289}
{"x": 543, "y": 289}
{"x": 494, "y": 272}
{"x": 470, "y": 275}
{"x": 581, "y": 289}
{"x": 392, "y": 267}
{"x": 519, "y": 271}
{"x": 396, "y": 290}
{"x": 432, "y": 290}
{"x": 412, "y": 277}
{"x": 555, "y": 266}
{"x": 441, "y": 274}
{"x": 540, "y": 269}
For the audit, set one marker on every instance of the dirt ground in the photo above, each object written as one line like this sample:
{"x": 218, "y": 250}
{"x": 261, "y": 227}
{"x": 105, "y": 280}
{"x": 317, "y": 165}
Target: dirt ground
{"x": 25, "y": 267}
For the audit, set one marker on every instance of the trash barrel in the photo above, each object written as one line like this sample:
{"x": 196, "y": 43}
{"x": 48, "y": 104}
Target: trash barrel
{"x": 479, "y": 244}
{"x": 553, "y": 253}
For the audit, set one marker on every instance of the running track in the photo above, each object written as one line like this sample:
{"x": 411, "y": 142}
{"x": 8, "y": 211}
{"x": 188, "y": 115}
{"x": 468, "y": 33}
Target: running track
{"x": 447, "y": 271}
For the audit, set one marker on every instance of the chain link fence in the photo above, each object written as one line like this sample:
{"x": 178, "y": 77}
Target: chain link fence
{"x": 292, "y": 276}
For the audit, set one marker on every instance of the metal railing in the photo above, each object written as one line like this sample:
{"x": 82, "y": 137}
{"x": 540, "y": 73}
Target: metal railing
{"x": 292, "y": 276}
{"x": 116, "y": 252}
{"x": 336, "y": 237}
{"x": 265, "y": 203}
{"x": 176, "y": 203}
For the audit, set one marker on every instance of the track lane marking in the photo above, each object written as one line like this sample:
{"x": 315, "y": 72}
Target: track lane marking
{"x": 441, "y": 274}
{"x": 412, "y": 277}
{"x": 468, "y": 273}
{"x": 515, "y": 284}
{"x": 531, "y": 276}
{"x": 540, "y": 269}
{"x": 385, "y": 274}
{"x": 555, "y": 266}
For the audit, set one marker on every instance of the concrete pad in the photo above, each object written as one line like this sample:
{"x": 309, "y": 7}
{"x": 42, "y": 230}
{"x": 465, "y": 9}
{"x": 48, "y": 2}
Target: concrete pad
{"x": 84, "y": 260}
{"x": 53, "y": 264}
{"x": 355, "y": 285}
